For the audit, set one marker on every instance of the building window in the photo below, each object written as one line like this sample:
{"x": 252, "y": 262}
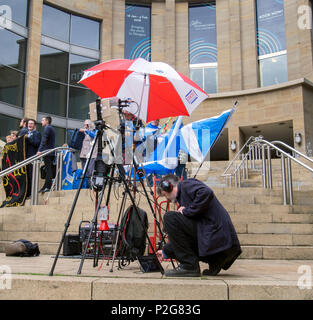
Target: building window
{"x": 13, "y": 53}
{"x": 68, "y": 48}
{"x": 8, "y": 124}
{"x": 203, "y": 46}
{"x": 137, "y": 32}
{"x": 271, "y": 42}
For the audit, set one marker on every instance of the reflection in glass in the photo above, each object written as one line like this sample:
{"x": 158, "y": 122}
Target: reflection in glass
{"x": 52, "y": 98}
{"x": 53, "y": 64}
{"x": 55, "y": 23}
{"x": 7, "y": 124}
{"x": 79, "y": 103}
{"x": 13, "y": 49}
{"x": 19, "y": 10}
{"x": 210, "y": 80}
{"x": 11, "y": 86}
{"x": 196, "y": 75}
{"x": 77, "y": 65}
{"x": 273, "y": 70}
{"x": 85, "y": 32}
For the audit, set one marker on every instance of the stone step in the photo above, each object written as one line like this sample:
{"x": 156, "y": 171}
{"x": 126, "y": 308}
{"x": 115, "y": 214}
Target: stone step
{"x": 275, "y": 239}
{"x": 267, "y": 252}
{"x": 271, "y": 218}
{"x": 277, "y": 252}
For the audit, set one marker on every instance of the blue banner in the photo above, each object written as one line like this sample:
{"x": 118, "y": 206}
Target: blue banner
{"x": 137, "y": 32}
{"x": 271, "y": 34}
{"x": 202, "y": 33}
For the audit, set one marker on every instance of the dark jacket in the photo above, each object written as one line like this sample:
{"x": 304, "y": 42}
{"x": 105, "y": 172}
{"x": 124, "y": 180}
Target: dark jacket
{"x": 215, "y": 229}
{"x": 48, "y": 139}
{"x": 33, "y": 142}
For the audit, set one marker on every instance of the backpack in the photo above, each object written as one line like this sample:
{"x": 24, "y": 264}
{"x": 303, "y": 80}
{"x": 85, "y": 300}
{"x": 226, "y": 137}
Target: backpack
{"x": 133, "y": 234}
{"x": 77, "y": 140}
{"x": 22, "y": 248}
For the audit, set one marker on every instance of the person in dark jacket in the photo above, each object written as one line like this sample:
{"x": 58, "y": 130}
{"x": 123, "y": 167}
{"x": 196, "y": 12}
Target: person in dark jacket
{"x": 33, "y": 142}
{"x": 200, "y": 230}
{"x": 47, "y": 143}
{"x": 22, "y": 127}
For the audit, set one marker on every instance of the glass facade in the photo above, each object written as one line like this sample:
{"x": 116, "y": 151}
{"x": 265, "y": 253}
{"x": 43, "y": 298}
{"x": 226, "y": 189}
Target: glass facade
{"x": 271, "y": 42}
{"x": 60, "y": 93}
{"x": 19, "y": 10}
{"x": 203, "y": 46}
{"x": 8, "y": 124}
{"x": 13, "y": 54}
{"x": 137, "y": 32}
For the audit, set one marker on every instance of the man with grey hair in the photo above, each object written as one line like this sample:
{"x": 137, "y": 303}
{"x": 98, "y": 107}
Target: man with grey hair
{"x": 200, "y": 230}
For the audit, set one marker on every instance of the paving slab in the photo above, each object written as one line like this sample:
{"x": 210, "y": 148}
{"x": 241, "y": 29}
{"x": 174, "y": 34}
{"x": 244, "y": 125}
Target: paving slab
{"x": 246, "y": 279}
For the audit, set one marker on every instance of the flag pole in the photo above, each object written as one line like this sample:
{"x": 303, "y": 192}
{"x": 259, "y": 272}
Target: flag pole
{"x": 222, "y": 129}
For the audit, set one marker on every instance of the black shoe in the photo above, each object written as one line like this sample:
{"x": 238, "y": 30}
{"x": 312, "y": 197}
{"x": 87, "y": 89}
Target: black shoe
{"x": 212, "y": 271}
{"x": 43, "y": 190}
{"x": 181, "y": 272}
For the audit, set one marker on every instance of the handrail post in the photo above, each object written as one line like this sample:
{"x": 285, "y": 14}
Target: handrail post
{"x": 264, "y": 167}
{"x": 269, "y": 168}
{"x": 290, "y": 181}
{"x": 35, "y": 183}
{"x": 59, "y": 165}
{"x": 283, "y": 174}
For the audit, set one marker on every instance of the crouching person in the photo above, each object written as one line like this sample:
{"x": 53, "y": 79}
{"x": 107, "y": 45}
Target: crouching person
{"x": 201, "y": 229}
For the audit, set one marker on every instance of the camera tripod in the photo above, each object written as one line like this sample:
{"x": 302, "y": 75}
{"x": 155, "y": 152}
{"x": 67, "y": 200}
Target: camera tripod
{"x": 103, "y": 177}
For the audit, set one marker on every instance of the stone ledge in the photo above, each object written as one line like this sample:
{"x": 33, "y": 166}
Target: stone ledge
{"x": 267, "y": 290}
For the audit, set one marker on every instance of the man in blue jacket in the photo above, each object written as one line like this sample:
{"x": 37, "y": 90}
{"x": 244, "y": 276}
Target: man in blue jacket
{"x": 33, "y": 142}
{"x": 200, "y": 230}
{"x": 47, "y": 143}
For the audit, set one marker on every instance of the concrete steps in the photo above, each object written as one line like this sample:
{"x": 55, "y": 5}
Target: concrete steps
{"x": 266, "y": 228}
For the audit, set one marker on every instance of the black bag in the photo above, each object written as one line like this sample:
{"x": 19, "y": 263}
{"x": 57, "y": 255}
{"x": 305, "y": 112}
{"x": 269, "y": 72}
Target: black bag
{"x": 149, "y": 263}
{"x": 133, "y": 234}
{"x": 77, "y": 140}
{"x": 28, "y": 249}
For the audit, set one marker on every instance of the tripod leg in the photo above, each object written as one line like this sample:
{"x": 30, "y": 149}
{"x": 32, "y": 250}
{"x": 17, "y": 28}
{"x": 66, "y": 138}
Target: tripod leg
{"x": 106, "y": 203}
{"x": 122, "y": 174}
{"x": 67, "y": 224}
{"x": 118, "y": 231}
{"x": 94, "y": 226}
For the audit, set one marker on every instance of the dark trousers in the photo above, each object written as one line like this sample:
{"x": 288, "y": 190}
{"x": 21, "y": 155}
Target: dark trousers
{"x": 29, "y": 179}
{"x": 48, "y": 160}
{"x": 183, "y": 242}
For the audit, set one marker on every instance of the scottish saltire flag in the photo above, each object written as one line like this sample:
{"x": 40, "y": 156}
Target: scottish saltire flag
{"x": 197, "y": 138}
{"x": 164, "y": 158}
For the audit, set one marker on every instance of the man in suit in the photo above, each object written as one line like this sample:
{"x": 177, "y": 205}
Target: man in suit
{"x": 33, "y": 141}
{"x": 47, "y": 143}
{"x": 200, "y": 230}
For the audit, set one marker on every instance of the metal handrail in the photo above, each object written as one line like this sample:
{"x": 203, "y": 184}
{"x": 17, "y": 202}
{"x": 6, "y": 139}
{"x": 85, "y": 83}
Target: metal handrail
{"x": 293, "y": 150}
{"x": 284, "y": 153}
{"x": 224, "y": 174}
{"x": 35, "y": 161}
{"x": 31, "y": 160}
{"x": 262, "y": 145}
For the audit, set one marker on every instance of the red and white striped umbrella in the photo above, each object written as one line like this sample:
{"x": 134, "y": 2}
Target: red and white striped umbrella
{"x": 158, "y": 90}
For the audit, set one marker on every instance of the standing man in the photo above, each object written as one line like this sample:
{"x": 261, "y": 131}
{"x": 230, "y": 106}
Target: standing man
{"x": 201, "y": 229}
{"x": 23, "y": 127}
{"x": 47, "y": 143}
{"x": 33, "y": 141}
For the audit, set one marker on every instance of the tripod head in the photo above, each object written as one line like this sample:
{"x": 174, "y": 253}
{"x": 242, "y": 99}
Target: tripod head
{"x": 101, "y": 170}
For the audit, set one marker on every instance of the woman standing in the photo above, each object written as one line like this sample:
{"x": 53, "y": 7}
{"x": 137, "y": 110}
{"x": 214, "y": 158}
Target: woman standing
{"x": 90, "y": 133}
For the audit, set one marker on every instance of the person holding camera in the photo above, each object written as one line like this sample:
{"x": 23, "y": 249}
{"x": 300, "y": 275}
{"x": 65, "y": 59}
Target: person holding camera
{"x": 90, "y": 132}
{"x": 200, "y": 230}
